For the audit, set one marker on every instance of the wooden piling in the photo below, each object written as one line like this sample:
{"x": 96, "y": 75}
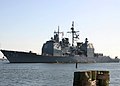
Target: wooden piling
{"x": 91, "y": 78}
{"x": 81, "y": 78}
{"x": 103, "y": 78}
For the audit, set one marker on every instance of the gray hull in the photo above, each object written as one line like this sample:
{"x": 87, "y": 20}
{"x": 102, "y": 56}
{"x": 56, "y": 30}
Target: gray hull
{"x": 24, "y": 57}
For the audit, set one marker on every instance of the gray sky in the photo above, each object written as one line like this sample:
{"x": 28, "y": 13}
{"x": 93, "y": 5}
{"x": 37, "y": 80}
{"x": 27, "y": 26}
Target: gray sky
{"x": 26, "y": 24}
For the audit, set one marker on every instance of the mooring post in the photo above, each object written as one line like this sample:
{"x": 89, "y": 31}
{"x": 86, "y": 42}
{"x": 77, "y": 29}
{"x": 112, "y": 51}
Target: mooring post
{"x": 103, "y": 78}
{"x": 91, "y": 78}
{"x": 76, "y": 65}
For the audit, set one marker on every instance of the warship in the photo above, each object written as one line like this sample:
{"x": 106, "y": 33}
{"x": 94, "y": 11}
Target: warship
{"x": 60, "y": 51}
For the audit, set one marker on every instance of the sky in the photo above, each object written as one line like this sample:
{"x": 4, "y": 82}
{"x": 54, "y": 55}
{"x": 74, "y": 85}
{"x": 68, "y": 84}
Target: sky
{"x": 26, "y": 24}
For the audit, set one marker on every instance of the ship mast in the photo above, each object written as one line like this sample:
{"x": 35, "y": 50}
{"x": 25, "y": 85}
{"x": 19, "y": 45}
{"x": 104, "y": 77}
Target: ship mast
{"x": 74, "y": 35}
{"x": 72, "y": 28}
{"x": 57, "y": 34}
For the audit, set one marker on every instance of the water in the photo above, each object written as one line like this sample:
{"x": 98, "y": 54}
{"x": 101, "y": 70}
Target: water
{"x": 38, "y": 74}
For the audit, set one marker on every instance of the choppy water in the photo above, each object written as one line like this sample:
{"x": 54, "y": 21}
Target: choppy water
{"x": 38, "y": 74}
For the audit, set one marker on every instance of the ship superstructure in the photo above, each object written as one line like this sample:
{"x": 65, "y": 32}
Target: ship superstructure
{"x": 54, "y": 47}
